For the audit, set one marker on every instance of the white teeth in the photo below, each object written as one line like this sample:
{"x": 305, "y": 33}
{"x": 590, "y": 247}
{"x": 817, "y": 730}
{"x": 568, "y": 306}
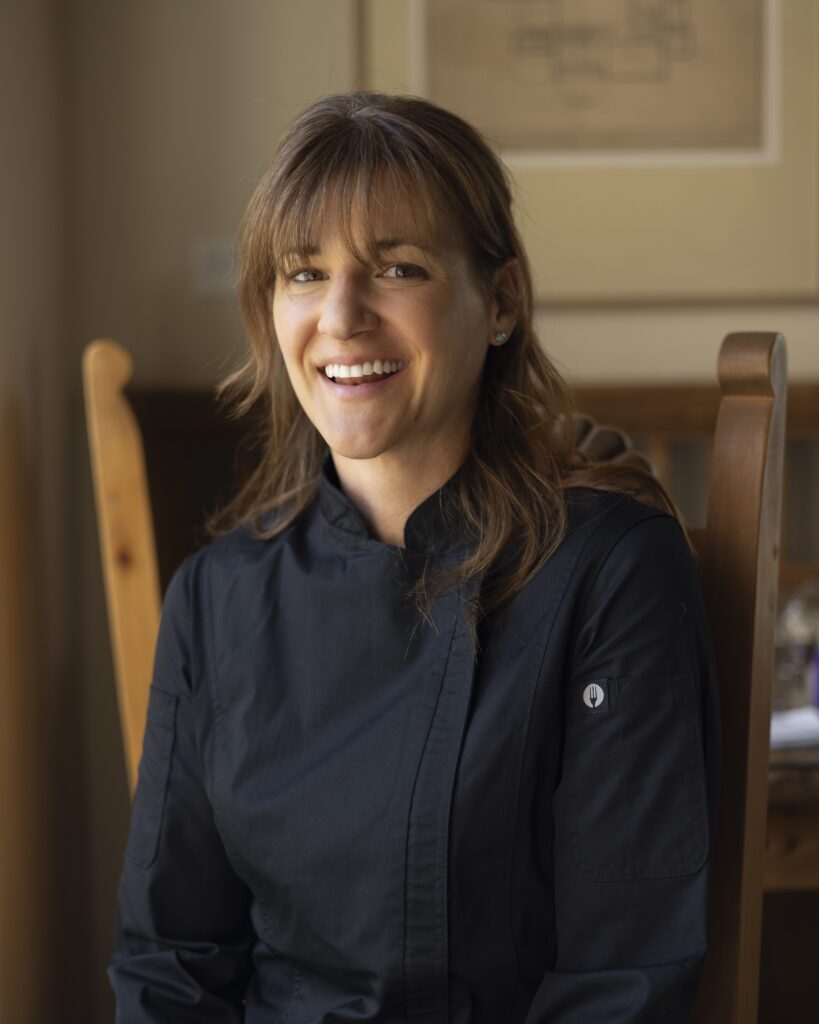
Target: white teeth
{"x": 378, "y": 366}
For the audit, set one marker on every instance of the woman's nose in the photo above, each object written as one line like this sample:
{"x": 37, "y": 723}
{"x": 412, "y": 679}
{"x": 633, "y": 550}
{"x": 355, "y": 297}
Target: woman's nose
{"x": 346, "y": 310}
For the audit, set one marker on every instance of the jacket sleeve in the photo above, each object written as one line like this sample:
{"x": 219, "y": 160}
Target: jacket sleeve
{"x": 635, "y": 807}
{"x": 183, "y": 934}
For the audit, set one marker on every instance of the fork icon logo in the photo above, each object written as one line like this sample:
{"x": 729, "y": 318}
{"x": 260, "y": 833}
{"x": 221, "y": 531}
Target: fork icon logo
{"x": 594, "y": 695}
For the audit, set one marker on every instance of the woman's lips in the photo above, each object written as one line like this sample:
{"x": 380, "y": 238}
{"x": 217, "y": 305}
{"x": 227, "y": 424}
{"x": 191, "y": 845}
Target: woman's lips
{"x": 359, "y": 387}
{"x": 355, "y": 382}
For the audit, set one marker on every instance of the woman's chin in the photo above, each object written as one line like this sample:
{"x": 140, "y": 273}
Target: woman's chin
{"x": 356, "y": 448}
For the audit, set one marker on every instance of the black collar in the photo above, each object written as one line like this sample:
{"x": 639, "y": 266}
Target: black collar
{"x": 433, "y": 524}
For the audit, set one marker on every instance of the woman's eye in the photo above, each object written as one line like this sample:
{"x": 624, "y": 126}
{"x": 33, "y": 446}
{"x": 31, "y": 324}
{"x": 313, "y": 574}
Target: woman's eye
{"x": 304, "y": 276}
{"x": 402, "y": 270}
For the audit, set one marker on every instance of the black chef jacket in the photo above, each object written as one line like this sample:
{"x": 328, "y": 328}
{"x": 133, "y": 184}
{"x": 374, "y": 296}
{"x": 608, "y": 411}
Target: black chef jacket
{"x": 344, "y": 816}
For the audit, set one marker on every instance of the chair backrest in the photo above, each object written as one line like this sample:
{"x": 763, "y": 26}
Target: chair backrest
{"x": 126, "y": 534}
{"x": 738, "y": 553}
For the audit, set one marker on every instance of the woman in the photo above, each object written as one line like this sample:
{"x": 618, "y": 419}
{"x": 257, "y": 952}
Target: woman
{"x": 432, "y": 731}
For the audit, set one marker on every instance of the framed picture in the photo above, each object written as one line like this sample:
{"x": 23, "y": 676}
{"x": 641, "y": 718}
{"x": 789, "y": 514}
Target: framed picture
{"x": 661, "y": 150}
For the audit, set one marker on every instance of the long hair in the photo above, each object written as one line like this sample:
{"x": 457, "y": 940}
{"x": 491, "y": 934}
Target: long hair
{"x": 510, "y": 493}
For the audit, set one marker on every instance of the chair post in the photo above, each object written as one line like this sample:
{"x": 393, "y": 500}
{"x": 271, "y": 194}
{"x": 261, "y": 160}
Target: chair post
{"x": 126, "y": 534}
{"x": 740, "y": 575}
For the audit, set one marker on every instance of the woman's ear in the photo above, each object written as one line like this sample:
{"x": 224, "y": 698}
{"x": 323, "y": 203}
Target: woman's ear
{"x": 507, "y": 289}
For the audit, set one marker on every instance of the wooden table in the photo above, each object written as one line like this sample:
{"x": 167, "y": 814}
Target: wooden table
{"x": 792, "y": 853}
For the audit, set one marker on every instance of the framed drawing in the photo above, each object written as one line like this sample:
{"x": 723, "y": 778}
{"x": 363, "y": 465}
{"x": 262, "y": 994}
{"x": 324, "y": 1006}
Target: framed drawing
{"x": 661, "y": 150}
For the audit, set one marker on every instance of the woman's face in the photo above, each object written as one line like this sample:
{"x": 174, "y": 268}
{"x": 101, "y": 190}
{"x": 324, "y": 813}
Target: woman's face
{"x": 419, "y": 308}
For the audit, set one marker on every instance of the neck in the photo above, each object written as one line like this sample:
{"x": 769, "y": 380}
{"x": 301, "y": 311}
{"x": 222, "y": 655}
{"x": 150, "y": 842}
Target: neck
{"x": 388, "y": 488}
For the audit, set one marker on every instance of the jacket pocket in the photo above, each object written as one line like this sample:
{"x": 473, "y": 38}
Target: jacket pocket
{"x": 634, "y": 771}
{"x": 152, "y": 785}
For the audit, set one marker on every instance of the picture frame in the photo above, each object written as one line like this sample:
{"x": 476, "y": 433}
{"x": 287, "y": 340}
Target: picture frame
{"x": 656, "y": 226}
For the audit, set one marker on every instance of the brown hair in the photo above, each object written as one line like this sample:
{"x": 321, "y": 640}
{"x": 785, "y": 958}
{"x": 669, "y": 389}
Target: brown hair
{"x": 510, "y": 491}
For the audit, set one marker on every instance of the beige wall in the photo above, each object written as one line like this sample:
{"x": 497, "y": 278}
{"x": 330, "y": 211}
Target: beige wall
{"x": 34, "y": 520}
{"x": 676, "y": 343}
{"x": 144, "y": 126}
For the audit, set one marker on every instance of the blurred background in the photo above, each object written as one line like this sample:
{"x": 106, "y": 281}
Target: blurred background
{"x": 133, "y": 133}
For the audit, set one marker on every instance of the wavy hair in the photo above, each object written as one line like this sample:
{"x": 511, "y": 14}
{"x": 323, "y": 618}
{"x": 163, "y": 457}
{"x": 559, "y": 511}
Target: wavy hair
{"x": 510, "y": 492}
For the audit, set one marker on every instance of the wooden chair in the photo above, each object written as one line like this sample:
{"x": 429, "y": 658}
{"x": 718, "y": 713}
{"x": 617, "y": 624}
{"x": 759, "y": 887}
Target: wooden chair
{"x": 738, "y": 552}
{"x": 126, "y": 533}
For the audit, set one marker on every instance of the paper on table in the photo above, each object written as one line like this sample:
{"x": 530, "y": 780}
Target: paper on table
{"x": 797, "y": 727}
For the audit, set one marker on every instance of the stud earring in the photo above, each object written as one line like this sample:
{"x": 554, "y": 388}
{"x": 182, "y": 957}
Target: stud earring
{"x": 500, "y": 338}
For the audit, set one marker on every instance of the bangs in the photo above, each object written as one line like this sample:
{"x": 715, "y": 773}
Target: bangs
{"x": 359, "y": 190}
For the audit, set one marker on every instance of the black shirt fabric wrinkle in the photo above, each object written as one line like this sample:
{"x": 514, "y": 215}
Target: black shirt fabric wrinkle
{"x": 344, "y": 814}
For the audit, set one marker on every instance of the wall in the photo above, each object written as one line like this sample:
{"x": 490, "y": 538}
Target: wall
{"x": 34, "y": 519}
{"x": 670, "y": 343}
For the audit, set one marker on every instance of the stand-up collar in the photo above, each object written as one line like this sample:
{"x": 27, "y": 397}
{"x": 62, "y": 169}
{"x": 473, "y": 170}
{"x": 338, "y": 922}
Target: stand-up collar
{"x": 428, "y": 525}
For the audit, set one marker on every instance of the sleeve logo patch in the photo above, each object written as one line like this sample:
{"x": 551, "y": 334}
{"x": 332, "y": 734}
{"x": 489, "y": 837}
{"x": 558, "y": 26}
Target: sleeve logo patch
{"x": 594, "y": 696}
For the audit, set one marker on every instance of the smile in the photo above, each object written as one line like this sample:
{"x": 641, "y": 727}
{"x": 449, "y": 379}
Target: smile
{"x": 352, "y": 387}
{"x": 378, "y": 369}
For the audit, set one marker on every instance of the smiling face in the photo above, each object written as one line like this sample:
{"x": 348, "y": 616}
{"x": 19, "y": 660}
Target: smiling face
{"x": 415, "y": 305}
